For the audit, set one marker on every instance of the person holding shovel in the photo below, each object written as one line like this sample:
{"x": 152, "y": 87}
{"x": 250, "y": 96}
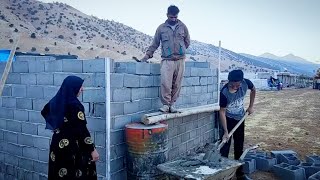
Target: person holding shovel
{"x": 232, "y": 111}
{"x": 175, "y": 39}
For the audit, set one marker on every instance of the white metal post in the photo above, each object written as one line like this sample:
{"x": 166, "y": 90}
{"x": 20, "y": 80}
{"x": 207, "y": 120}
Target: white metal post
{"x": 108, "y": 114}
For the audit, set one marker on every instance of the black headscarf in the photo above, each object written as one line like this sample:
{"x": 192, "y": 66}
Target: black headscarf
{"x": 54, "y": 111}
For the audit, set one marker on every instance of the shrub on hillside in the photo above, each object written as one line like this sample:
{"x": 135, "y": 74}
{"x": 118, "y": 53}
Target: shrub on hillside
{"x": 33, "y": 35}
{"x": 11, "y": 40}
{"x": 46, "y": 49}
{"x": 79, "y": 47}
{"x": 33, "y": 49}
{"x": 60, "y": 36}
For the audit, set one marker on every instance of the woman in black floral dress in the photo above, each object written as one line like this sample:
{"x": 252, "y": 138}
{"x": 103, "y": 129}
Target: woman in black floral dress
{"x": 72, "y": 152}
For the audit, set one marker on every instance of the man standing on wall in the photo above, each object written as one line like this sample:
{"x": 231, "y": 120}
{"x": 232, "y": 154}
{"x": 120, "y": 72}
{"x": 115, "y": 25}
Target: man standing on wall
{"x": 174, "y": 37}
{"x": 232, "y": 111}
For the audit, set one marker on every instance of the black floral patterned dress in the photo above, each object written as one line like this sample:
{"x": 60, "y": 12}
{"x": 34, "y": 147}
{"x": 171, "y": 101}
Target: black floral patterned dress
{"x": 71, "y": 147}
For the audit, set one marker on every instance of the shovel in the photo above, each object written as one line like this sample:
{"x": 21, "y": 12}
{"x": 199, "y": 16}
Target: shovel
{"x": 214, "y": 155}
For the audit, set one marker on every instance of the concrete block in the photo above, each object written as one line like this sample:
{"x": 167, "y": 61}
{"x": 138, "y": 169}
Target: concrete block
{"x": 155, "y": 69}
{"x": 117, "y": 164}
{"x": 21, "y": 115}
{"x": 200, "y": 72}
{"x": 35, "y": 91}
{"x": 156, "y": 103}
{"x": 89, "y": 79}
{"x": 152, "y": 92}
{"x": 146, "y": 81}
{"x": 203, "y": 81}
{"x": 43, "y": 155}
{"x": 35, "y": 117}
{"x": 26, "y": 163}
{"x": 24, "y": 103}
{"x": 189, "y": 64}
{"x": 100, "y": 80}
{"x": 117, "y": 108}
{"x": 131, "y": 107}
{"x": 99, "y": 109}
{"x": 190, "y": 81}
{"x": 116, "y": 80}
{"x": 38, "y": 104}
{"x": 14, "y": 126}
{"x": 30, "y": 152}
{"x": 40, "y": 167}
{"x": 138, "y": 93}
{"x": 197, "y": 89}
{"x": 19, "y": 90}
{"x": 276, "y": 154}
{"x": 94, "y": 95}
{"x": 71, "y": 65}
{"x": 289, "y": 159}
{"x": 8, "y": 102}
{"x": 96, "y": 124}
{"x": 119, "y": 122}
{"x": 125, "y": 67}
{"x": 44, "y": 132}
{"x": 264, "y": 163}
{"x": 201, "y": 64}
{"x": 28, "y": 78}
{"x": 131, "y": 80}
{"x": 287, "y": 171}
{"x": 156, "y": 81}
{"x": 41, "y": 142}
{"x": 36, "y": 66}
{"x": 100, "y": 139}
{"x": 117, "y": 137}
{"x": 313, "y": 159}
{"x": 12, "y": 160}
{"x": 143, "y": 68}
{"x": 29, "y": 128}
{"x": 187, "y": 72}
{"x": 49, "y": 92}
{"x": 310, "y": 168}
{"x": 7, "y": 90}
{"x": 121, "y": 95}
{"x": 25, "y": 139}
{"x": 1, "y": 137}
{"x": 315, "y": 176}
{"x": 45, "y": 79}
{"x": 20, "y": 66}
{"x": 14, "y": 149}
{"x": 95, "y": 66}
{"x": 249, "y": 166}
{"x": 145, "y": 104}
{"x": 11, "y": 137}
{"x": 14, "y": 78}
{"x": 58, "y": 78}
{"x": 53, "y": 66}
{"x": 119, "y": 175}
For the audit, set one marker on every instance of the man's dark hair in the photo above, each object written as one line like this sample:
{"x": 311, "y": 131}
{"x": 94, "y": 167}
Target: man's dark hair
{"x": 235, "y": 75}
{"x": 173, "y": 10}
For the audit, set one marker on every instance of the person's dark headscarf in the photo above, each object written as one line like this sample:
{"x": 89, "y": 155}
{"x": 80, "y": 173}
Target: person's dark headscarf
{"x": 235, "y": 76}
{"x": 54, "y": 111}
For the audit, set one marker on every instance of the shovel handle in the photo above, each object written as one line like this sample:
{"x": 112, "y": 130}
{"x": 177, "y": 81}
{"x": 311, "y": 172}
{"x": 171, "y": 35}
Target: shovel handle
{"x": 233, "y": 130}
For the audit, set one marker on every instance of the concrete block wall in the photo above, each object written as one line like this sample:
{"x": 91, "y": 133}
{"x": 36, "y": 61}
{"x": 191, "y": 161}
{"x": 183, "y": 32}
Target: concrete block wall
{"x": 24, "y": 142}
{"x": 32, "y": 81}
{"x": 135, "y": 91}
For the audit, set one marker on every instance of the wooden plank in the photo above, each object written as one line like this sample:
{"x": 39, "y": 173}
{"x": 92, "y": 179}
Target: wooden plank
{"x": 155, "y": 117}
{"x": 8, "y": 65}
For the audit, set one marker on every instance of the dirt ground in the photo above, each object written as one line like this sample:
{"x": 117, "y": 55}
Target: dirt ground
{"x": 287, "y": 119}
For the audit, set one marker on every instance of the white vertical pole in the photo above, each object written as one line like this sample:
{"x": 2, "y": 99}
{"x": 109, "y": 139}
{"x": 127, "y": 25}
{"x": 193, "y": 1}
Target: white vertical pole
{"x": 219, "y": 70}
{"x": 108, "y": 114}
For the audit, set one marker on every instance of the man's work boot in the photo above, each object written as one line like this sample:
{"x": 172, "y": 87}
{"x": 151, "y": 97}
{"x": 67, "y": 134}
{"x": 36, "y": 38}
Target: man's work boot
{"x": 173, "y": 109}
{"x": 164, "y": 108}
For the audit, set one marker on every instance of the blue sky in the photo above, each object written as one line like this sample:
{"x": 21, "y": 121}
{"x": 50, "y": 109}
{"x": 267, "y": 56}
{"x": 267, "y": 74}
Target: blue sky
{"x": 279, "y": 27}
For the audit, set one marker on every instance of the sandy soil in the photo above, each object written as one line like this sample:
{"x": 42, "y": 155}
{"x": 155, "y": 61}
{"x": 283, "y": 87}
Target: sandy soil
{"x": 287, "y": 119}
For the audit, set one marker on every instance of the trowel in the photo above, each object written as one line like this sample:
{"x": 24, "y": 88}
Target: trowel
{"x": 214, "y": 155}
